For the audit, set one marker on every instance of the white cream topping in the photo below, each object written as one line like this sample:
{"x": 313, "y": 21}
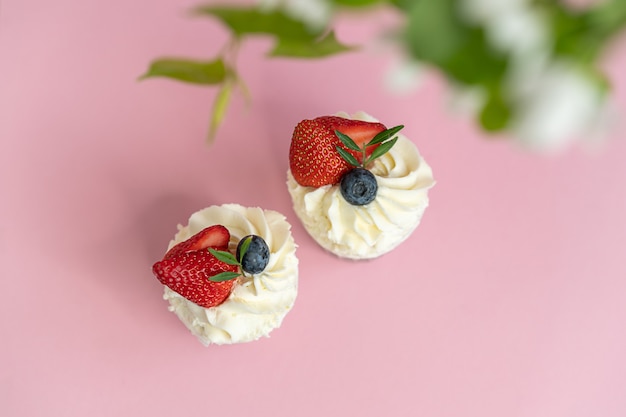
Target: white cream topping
{"x": 362, "y": 232}
{"x": 258, "y": 303}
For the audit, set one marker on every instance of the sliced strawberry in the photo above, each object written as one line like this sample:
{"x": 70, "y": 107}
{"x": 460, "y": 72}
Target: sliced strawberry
{"x": 188, "y": 273}
{"x": 313, "y": 157}
{"x": 360, "y": 132}
{"x": 215, "y": 237}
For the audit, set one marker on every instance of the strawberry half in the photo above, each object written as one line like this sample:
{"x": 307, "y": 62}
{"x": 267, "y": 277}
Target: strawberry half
{"x": 313, "y": 157}
{"x": 187, "y": 267}
{"x": 215, "y": 237}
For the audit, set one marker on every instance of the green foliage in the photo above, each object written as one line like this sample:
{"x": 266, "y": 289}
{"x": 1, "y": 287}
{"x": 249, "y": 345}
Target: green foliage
{"x": 496, "y": 113}
{"x": 187, "y": 70}
{"x": 309, "y": 48}
{"x": 434, "y": 32}
{"x": 293, "y": 39}
{"x": 357, "y": 3}
{"x": 250, "y": 21}
{"x": 582, "y": 35}
{"x": 219, "y": 108}
{"x": 461, "y": 51}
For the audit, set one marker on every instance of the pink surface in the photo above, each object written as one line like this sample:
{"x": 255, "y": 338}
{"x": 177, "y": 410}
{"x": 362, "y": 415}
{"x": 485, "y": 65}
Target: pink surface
{"x": 510, "y": 300}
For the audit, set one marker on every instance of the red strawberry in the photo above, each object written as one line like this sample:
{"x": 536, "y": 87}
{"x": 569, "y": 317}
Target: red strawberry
{"x": 188, "y": 274}
{"x": 313, "y": 157}
{"x": 187, "y": 267}
{"x": 215, "y": 237}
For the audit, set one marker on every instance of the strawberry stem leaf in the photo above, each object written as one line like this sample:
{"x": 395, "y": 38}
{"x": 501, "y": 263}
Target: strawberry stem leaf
{"x": 348, "y": 156}
{"x": 384, "y": 135}
{"x": 224, "y": 276}
{"x": 347, "y": 140}
{"x": 226, "y": 257}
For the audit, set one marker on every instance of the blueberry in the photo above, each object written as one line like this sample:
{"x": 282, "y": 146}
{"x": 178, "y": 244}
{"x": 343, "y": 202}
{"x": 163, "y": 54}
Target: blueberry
{"x": 256, "y": 257}
{"x": 358, "y": 186}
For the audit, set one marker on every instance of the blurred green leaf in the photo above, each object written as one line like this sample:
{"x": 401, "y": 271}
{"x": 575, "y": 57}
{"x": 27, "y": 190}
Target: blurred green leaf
{"x": 249, "y": 20}
{"x": 475, "y": 62}
{"x": 357, "y": 3}
{"x": 220, "y": 105}
{"x": 582, "y": 35}
{"x": 433, "y": 34}
{"x": 437, "y": 35}
{"x": 496, "y": 114}
{"x": 309, "y": 48}
{"x": 608, "y": 16}
{"x": 191, "y": 71}
{"x": 404, "y": 5}
{"x": 573, "y": 33}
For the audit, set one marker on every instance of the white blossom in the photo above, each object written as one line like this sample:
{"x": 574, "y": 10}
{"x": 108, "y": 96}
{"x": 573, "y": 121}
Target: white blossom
{"x": 561, "y": 104}
{"x": 403, "y": 77}
{"x": 553, "y": 102}
{"x": 466, "y": 100}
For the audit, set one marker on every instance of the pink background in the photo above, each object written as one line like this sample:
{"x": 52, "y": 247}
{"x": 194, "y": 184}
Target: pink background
{"x": 509, "y": 300}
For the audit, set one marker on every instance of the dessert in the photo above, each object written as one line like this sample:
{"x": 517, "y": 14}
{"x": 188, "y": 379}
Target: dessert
{"x": 359, "y": 188}
{"x": 230, "y": 274}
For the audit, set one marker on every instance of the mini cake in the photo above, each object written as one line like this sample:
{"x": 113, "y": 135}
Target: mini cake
{"x": 231, "y": 274}
{"x": 359, "y": 188}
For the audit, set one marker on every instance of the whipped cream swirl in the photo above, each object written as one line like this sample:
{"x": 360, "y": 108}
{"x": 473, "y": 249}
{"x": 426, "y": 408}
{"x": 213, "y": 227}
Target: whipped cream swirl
{"x": 362, "y": 232}
{"x": 258, "y": 303}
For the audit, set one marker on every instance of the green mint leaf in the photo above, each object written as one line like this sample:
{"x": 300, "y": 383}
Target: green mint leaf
{"x": 347, "y": 140}
{"x": 348, "y": 156}
{"x": 224, "y": 276}
{"x": 187, "y": 70}
{"x": 244, "y": 247}
{"x": 381, "y": 150}
{"x": 309, "y": 47}
{"x": 226, "y": 257}
{"x": 384, "y": 135}
{"x": 250, "y": 20}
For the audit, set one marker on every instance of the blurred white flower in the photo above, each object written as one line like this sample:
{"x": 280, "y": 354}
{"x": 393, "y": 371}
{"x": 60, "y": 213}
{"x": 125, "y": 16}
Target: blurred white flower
{"x": 519, "y": 32}
{"x": 558, "y": 106}
{"x": 315, "y": 14}
{"x": 466, "y": 100}
{"x": 403, "y": 77}
{"x": 553, "y": 102}
{"x": 514, "y": 27}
